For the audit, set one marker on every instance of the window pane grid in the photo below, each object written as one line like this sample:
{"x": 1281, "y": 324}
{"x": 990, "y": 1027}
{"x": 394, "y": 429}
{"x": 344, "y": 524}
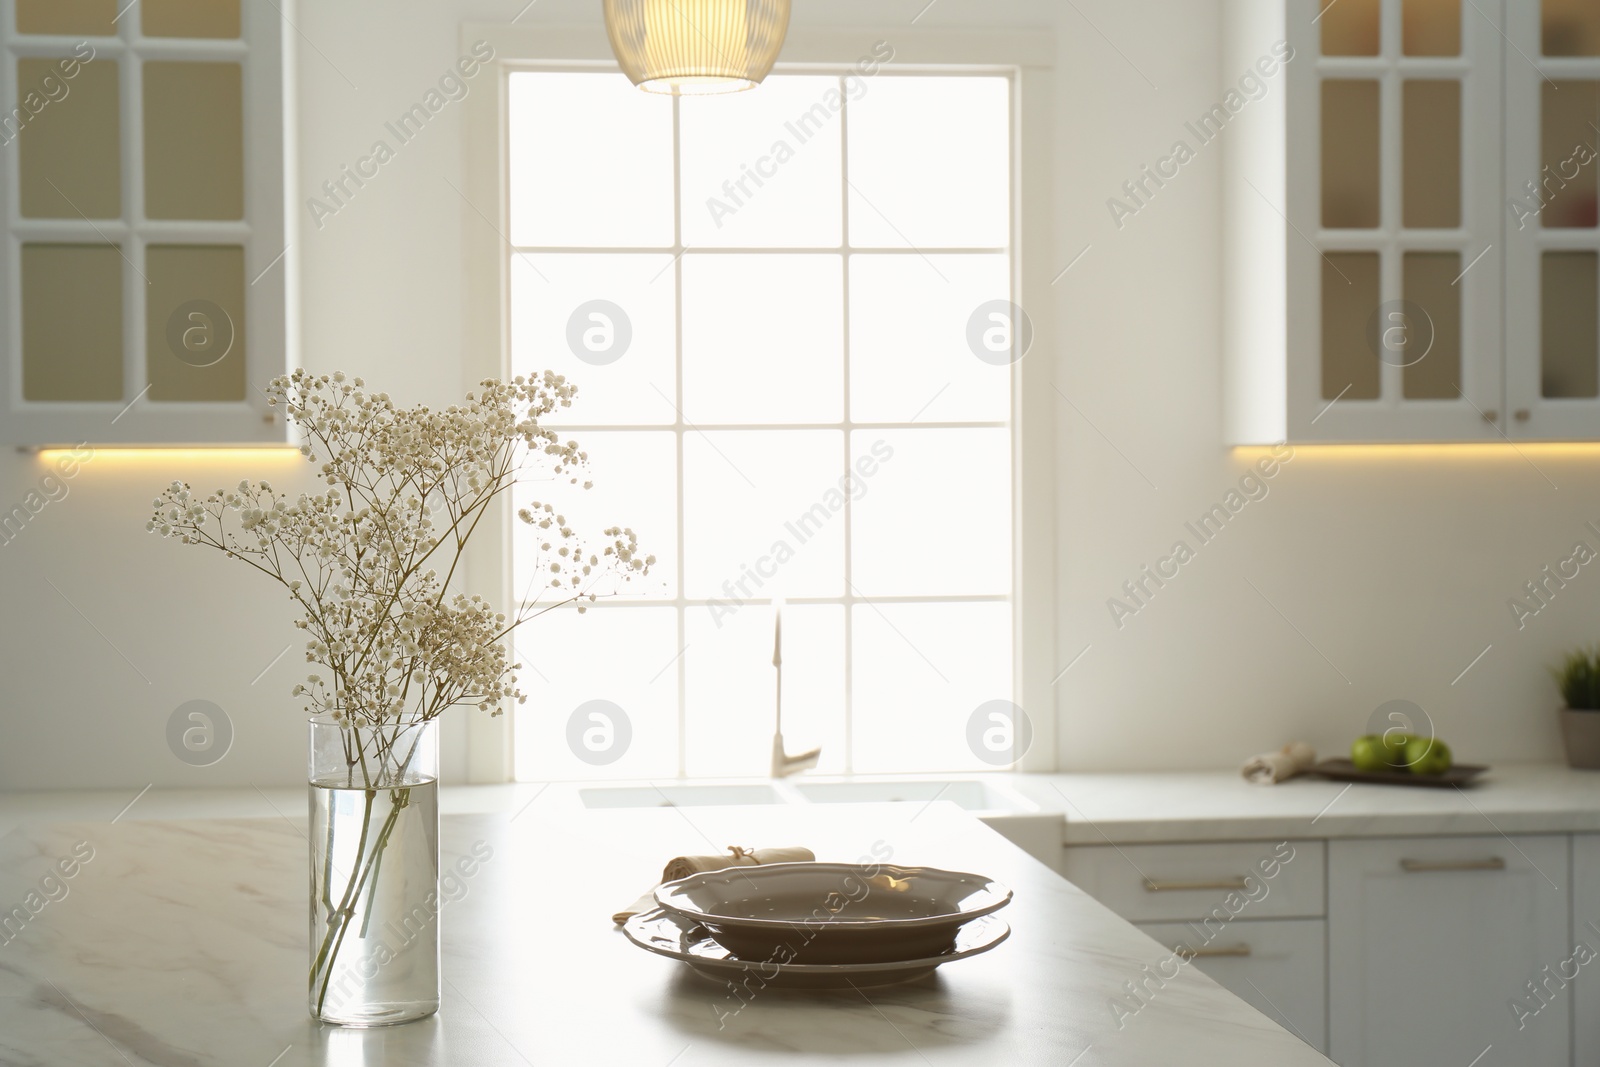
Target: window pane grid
{"x": 695, "y": 449}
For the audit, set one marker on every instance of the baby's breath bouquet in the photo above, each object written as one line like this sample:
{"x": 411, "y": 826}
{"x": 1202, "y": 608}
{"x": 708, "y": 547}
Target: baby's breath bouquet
{"x": 372, "y": 563}
{"x": 369, "y": 562}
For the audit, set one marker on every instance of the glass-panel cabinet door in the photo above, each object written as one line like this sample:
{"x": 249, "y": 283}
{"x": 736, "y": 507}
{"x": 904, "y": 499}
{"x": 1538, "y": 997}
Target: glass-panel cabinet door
{"x": 144, "y": 274}
{"x": 1552, "y": 220}
{"x": 1392, "y": 186}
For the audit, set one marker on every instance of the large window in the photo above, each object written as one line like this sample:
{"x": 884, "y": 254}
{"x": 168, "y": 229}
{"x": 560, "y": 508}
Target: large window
{"x": 789, "y": 314}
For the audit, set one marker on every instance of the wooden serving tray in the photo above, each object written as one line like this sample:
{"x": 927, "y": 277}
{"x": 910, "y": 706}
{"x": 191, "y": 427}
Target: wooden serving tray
{"x": 1342, "y": 770}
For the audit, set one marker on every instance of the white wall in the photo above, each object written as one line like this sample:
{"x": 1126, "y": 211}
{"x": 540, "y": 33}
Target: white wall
{"x": 1396, "y": 566}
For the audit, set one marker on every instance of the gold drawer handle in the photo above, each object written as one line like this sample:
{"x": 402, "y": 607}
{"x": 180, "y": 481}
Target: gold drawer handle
{"x": 1493, "y": 863}
{"x": 1205, "y": 953}
{"x": 1153, "y": 886}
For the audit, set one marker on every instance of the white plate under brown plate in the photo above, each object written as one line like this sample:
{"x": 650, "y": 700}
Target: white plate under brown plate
{"x": 672, "y": 935}
{"x": 834, "y": 912}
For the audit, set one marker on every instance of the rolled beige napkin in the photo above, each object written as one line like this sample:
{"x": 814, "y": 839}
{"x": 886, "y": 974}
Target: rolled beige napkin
{"x": 684, "y": 866}
{"x": 1270, "y": 768}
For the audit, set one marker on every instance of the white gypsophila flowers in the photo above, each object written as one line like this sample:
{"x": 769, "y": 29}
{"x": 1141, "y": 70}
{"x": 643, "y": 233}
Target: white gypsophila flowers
{"x": 370, "y": 561}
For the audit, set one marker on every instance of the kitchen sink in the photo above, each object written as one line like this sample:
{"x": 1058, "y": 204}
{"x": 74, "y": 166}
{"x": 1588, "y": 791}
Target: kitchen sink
{"x": 678, "y": 796}
{"x": 969, "y": 793}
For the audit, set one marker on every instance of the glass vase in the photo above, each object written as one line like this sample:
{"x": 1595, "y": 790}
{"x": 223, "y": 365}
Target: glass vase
{"x": 374, "y": 837}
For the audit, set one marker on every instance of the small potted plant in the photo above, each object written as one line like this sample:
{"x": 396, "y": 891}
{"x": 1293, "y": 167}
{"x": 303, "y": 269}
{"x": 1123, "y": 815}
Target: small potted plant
{"x": 1578, "y": 677}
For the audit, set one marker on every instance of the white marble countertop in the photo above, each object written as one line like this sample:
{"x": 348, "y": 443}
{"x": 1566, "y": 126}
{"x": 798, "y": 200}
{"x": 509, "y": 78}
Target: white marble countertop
{"x": 1123, "y": 808}
{"x": 183, "y": 943}
{"x": 1220, "y": 805}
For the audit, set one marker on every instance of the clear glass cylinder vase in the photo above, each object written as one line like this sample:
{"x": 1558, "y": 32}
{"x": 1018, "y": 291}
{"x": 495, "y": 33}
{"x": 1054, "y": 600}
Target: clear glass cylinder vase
{"x": 374, "y": 837}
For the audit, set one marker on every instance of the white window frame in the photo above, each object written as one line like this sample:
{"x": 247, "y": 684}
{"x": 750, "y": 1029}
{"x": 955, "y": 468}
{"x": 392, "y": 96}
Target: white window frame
{"x": 264, "y": 51}
{"x": 1027, "y": 58}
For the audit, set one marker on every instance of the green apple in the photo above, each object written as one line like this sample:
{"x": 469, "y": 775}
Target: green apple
{"x": 1427, "y": 755}
{"x": 1394, "y": 748}
{"x": 1369, "y": 754}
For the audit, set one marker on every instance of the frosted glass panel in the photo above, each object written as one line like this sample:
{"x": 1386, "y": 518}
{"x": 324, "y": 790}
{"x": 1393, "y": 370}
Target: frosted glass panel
{"x": 1349, "y": 27}
{"x": 634, "y": 484}
{"x": 606, "y": 322}
{"x": 593, "y": 711}
{"x": 1349, "y": 154}
{"x": 1434, "y": 371}
{"x": 912, "y": 338}
{"x": 189, "y": 18}
{"x": 763, "y": 338}
{"x": 71, "y": 322}
{"x": 1431, "y": 27}
{"x": 70, "y": 154}
{"x": 929, "y": 163}
{"x": 919, "y": 671}
{"x": 193, "y": 141}
{"x": 728, "y": 665}
{"x": 195, "y": 324}
{"x": 763, "y": 510}
{"x": 1571, "y": 110}
{"x": 1570, "y": 325}
{"x": 85, "y": 18}
{"x": 1571, "y": 28}
{"x": 1432, "y": 154}
{"x": 908, "y": 535}
{"x": 1349, "y": 299}
{"x": 591, "y": 161}
{"x": 762, "y": 167}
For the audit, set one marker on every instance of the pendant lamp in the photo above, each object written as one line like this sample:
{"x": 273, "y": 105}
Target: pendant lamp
{"x": 695, "y": 47}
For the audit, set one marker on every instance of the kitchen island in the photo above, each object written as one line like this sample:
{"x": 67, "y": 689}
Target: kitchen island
{"x": 183, "y": 942}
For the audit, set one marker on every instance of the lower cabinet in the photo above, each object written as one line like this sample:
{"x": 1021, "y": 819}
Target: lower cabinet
{"x": 1278, "y": 966}
{"x": 1451, "y": 950}
{"x": 1249, "y": 913}
{"x": 1479, "y": 951}
{"x": 1586, "y": 933}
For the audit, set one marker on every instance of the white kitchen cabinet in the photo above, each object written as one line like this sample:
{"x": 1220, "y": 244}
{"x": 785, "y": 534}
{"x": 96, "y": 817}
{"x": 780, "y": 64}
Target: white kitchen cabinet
{"x": 1432, "y": 943}
{"x": 1552, "y": 245}
{"x": 1586, "y": 932}
{"x": 1277, "y": 966}
{"x": 1411, "y": 241}
{"x": 1249, "y": 913}
{"x": 144, "y": 282}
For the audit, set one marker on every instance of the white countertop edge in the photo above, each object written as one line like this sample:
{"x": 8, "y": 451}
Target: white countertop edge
{"x": 1097, "y": 808}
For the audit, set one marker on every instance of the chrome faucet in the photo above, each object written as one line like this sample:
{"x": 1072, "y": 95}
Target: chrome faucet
{"x": 784, "y": 764}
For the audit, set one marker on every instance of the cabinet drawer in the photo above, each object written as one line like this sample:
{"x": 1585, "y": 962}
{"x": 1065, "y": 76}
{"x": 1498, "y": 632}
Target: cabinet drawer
{"x": 1278, "y": 967}
{"x": 1245, "y": 879}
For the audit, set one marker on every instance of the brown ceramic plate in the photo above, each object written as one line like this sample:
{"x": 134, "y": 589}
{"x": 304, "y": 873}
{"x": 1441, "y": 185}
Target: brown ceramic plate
{"x": 681, "y": 939}
{"x": 833, "y": 912}
{"x": 1342, "y": 770}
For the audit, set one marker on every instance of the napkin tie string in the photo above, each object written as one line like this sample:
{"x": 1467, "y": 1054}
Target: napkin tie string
{"x": 741, "y": 854}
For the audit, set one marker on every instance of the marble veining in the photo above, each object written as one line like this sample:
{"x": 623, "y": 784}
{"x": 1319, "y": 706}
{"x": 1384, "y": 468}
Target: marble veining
{"x": 183, "y": 943}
